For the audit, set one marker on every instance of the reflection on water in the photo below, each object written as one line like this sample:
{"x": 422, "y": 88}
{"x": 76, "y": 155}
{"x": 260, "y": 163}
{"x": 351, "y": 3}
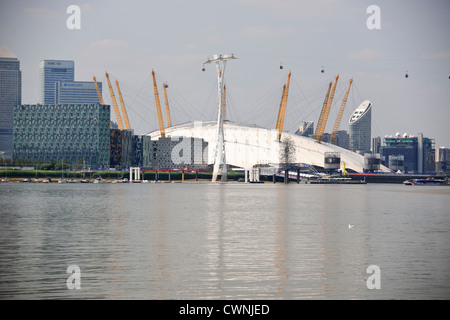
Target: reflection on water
{"x": 224, "y": 241}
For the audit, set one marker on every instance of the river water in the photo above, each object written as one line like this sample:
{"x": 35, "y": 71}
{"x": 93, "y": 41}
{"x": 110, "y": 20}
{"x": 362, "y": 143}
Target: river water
{"x": 224, "y": 241}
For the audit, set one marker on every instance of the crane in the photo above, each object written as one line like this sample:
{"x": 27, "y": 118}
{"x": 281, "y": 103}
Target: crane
{"x": 322, "y": 123}
{"x": 282, "y": 111}
{"x": 341, "y": 112}
{"x": 122, "y": 104}
{"x": 169, "y": 118}
{"x": 114, "y": 101}
{"x": 158, "y": 108}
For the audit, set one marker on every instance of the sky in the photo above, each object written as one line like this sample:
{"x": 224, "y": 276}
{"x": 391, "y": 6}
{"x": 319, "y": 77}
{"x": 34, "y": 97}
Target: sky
{"x": 129, "y": 39}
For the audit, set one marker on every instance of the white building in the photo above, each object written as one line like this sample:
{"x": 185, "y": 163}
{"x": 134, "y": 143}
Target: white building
{"x": 249, "y": 145}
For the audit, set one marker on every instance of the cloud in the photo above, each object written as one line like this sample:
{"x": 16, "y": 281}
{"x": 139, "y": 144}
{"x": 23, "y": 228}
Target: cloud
{"x": 366, "y": 54}
{"x": 296, "y": 8}
{"x": 258, "y": 31}
{"x": 43, "y": 13}
{"x": 86, "y": 8}
{"x": 443, "y": 55}
{"x": 109, "y": 44}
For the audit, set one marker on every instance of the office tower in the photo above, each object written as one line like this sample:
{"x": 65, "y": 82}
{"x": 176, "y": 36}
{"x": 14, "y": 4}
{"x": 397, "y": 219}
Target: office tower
{"x": 51, "y": 71}
{"x": 360, "y": 127}
{"x": 417, "y": 152}
{"x": 10, "y": 96}
{"x": 78, "y": 92}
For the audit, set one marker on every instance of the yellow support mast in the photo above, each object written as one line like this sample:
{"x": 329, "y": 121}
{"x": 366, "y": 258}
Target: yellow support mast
{"x": 122, "y": 104}
{"x": 279, "y": 109}
{"x": 158, "y": 108}
{"x": 325, "y": 113}
{"x": 169, "y": 118}
{"x": 341, "y": 112}
{"x": 100, "y": 98}
{"x": 322, "y": 112}
{"x": 114, "y": 101}
{"x": 283, "y": 107}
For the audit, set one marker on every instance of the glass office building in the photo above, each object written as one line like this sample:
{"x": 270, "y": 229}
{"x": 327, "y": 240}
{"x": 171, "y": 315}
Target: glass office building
{"x": 51, "y": 71}
{"x": 10, "y": 96}
{"x": 417, "y": 152}
{"x": 84, "y": 92}
{"x": 76, "y": 132}
{"x": 360, "y": 128}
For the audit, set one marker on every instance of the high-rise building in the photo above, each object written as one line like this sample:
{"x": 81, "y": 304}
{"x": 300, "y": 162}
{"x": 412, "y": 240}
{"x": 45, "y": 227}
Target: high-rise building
{"x": 75, "y": 132}
{"x": 376, "y": 145}
{"x": 442, "y": 160}
{"x": 415, "y": 152}
{"x": 306, "y": 129}
{"x": 84, "y": 92}
{"x": 360, "y": 128}
{"x": 51, "y": 71}
{"x": 10, "y": 96}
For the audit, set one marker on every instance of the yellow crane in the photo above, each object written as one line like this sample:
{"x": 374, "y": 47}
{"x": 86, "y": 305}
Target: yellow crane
{"x": 169, "y": 118}
{"x": 341, "y": 112}
{"x": 322, "y": 123}
{"x": 158, "y": 108}
{"x": 282, "y": 111}
{"x": 114, "y": 101}
{"x": 122, "y": 104}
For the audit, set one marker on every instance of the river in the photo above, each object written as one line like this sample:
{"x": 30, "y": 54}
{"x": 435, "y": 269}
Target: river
{"x": 203, "y": 240}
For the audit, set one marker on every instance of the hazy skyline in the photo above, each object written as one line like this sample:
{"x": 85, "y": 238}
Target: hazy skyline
{"x": 129, "y": 39}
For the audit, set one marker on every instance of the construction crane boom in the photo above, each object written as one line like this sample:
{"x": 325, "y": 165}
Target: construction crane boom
{"x": 158, "y": 108}
{"x": 283, "y": 107}
{"x": 322, "y": 123}
{"x": 100, "y": 98}
{"x": 122, "y": 104}
{"x": 114, "y": 101}
{"x": 169, "y": 118}
{"x": 341, "y": 112}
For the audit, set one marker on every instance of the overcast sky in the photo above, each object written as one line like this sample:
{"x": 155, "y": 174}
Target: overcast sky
{"x": 174, "y": 37}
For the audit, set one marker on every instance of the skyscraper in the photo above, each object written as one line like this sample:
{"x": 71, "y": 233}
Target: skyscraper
{"x": 10, "y": 96}
{"x": 51, "y": 71}
{"x": 67, "y": 92}
{"x": 360, "y": 128}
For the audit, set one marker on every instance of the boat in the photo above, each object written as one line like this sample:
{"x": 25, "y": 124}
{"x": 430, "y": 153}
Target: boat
{"x": 85, "y": 181}
{"x": 99, "y": 180}
{"x": 425, "y": 181}
{"x": 62, "y": 181}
